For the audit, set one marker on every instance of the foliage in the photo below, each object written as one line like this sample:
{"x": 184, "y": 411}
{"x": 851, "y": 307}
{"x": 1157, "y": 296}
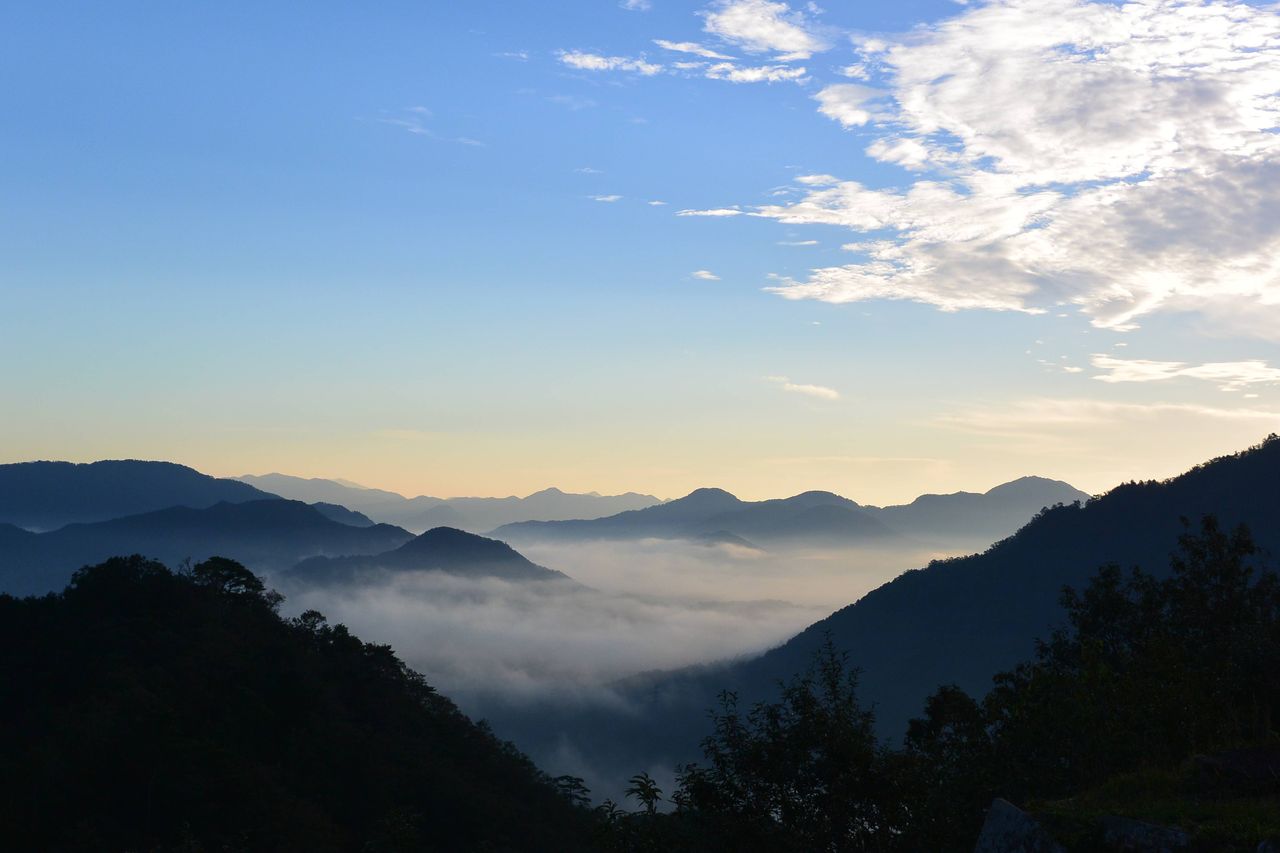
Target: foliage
{"x": 146, "y": 710}
{"x": 1147, "y": 673}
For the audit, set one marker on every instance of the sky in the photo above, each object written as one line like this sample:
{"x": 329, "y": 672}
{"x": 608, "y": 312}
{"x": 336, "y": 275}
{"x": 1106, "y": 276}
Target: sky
{"x": 880, "y": 248}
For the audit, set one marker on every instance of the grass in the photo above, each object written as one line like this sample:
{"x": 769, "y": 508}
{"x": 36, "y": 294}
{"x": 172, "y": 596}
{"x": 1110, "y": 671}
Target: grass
{"x": 1216, "y": 821}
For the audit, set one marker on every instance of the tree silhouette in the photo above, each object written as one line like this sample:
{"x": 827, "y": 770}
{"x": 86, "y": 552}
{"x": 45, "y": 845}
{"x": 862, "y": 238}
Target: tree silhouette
{"x": 644, "y": 789}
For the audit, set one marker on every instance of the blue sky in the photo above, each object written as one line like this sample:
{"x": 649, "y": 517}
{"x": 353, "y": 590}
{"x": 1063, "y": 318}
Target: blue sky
{"x": 384, "y": 244}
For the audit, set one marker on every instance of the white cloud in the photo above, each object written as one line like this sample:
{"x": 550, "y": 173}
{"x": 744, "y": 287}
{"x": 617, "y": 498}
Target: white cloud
{"x": 715, "y": 211}
{"x": 656, "y": 203}
{"x": 844, "y": 102}
{"x": 595, "y": 62}
{"x": 757, "y": 74}
{"x": 606, "y": 198}
{"x": 587, "y": 170}
{"x": 705, "y": 275}
{"x": 1121, "y": 158}
{"x": 690, "y": 47}
{"x": 1228, "y": 375}
{"x": 822, "y": 392}
{"x": 636, "y": 5}
{"x": 797, "y": 242}
{"x": 520, "y": 55}
{"x": 762, "y": 26}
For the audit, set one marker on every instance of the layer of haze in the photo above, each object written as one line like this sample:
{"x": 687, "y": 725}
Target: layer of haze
{"x": 652, "y": 604}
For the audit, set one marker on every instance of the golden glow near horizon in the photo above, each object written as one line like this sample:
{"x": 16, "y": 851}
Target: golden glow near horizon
{"x": 1094, "y": 447}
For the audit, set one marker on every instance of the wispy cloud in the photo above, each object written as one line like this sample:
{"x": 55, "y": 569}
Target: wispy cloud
{"x": 715, "y": 211}
{"x": 572, "y": 102}
{"x": 705, "y": 275}
{"x": 757, "y": 74}
{"x": 587, "y": 170}
{"x": 656, "y": 203}
{"x": 414, "y": 120}
{"x": 1228, "y": 375}
{"x": 821, "y": 392}
{"x": 595, "y": 62}
{"x": 636, "y": 5}
{"x": 605, "y": 198}
{"x": 691, "y": 47}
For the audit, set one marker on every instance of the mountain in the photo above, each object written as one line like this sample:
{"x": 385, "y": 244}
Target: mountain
{"x": 820, "y": 519}
{"x": 47, "y": 495}
{"x": 343, "y": 515}
{"x": 271, "y": 534}
{"x": 811, "y": 518}
{"x": 443, "y": 549}
{"x": 472, "y": 514}
{"x": 976, "y": 519}
{"x": 163, "y": 711}
{"x": 957, "y": 621}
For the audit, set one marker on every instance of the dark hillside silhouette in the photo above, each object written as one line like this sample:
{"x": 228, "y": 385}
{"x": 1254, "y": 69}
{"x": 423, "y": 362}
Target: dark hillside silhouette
{"x": 443, "y": 549}
{"x": 147, "y": 710}
{"x": 47, "y": 495}
{"x": 273, "y": 534}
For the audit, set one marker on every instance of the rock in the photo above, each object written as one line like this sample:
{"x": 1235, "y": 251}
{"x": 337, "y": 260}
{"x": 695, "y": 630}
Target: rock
{"x": 1122, "y": 833}
{"x": 1008, "y": 829}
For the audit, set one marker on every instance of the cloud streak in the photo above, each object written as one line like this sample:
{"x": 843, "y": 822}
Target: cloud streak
{"x": 821, "y": 392}
{"x": 1228, "y": 375}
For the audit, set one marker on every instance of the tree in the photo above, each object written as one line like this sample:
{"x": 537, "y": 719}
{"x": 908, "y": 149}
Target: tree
{"x": 803, "y": 773}
{"x": 231, "y": 578}
{"x": 644, "y": 789}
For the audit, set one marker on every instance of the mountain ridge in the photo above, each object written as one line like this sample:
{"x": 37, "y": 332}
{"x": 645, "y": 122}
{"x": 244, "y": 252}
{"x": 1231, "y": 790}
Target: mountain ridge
{"x": 46, "y": 494}
{"x": 443, "y": 549}
{"x": 273, "y": 534}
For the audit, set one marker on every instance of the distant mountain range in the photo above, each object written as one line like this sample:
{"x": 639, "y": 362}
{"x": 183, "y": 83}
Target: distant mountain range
{"x": 47, "y": 495}
{"x": 475, "y": 515}
{"x": 957, "y": 621}
{"x": 270, "y": 535}
{"x": 818, "y": 519}
{"x": 443, "y": 549}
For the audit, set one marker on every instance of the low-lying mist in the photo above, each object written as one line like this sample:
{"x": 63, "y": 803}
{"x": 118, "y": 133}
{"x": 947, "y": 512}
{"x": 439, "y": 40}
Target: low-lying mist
{"x": 637, "y": 606}
{"x": 532, "y": 656}
{"x": 480, "y": 639}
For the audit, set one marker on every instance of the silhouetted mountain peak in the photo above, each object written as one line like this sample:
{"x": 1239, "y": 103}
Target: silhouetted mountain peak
{"x": 452, "y": 542}
{"x": 549, "y": 492}
{"x": 443, "y": 549}
{"x": 706, "y": 499}
{"x": 1034, "y": 486}
{"x": 819, "y": 498}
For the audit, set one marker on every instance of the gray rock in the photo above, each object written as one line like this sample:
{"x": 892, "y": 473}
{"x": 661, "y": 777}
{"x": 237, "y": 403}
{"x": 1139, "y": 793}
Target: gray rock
{"x": 1008, "y": 829}
{"x": 1122, "y": 833}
